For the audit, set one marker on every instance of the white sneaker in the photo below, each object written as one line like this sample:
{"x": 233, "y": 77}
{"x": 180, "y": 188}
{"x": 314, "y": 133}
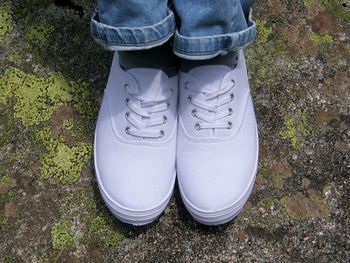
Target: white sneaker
{"x": 135, "y": 143}
{"x": 217, "y": 150}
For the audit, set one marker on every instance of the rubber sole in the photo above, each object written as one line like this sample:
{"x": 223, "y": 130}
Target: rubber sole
{"x": 127, "y": 215}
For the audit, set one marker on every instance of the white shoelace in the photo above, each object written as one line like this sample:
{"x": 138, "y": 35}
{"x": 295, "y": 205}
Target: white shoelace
{"x": 212, "y": 113}
{"x": 140, "y": 116}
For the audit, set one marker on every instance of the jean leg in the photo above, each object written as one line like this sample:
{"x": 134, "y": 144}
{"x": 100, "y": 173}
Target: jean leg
{"x": 209, "y": 28}
{"x": 132, "y": 24}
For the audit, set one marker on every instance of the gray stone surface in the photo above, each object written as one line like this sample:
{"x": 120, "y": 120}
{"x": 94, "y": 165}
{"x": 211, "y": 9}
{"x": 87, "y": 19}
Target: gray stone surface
{"x": 52, "y": 77}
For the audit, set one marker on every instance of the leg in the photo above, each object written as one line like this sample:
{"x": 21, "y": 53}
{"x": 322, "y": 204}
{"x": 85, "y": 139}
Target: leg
{"x": 209, "y": 28}
{"x": 217, "y": 149}
{"x": 132, "y": 24}
{"x": 135, "y": 136}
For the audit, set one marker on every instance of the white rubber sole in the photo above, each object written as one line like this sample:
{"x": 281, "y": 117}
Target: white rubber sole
{"x": 226, "y": 214}
{"x": 125, "y": 214}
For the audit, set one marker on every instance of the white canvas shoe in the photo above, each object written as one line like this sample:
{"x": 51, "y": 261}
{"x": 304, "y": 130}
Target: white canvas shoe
{"x": 217, "y": 150}
{"x": 135, "y": 143}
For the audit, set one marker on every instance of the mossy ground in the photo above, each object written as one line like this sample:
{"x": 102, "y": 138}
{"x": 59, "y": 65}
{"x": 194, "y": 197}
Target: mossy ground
{"x": 52, "y": 77}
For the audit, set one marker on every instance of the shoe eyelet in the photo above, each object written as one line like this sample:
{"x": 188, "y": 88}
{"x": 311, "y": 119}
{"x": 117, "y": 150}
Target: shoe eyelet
{"x": 127, "y": 115}
{"x": 197, "y": 127}
{"x": 230, "y": 111}
{"x": 233, "y": 82}
{"x": 127, "y": 101}
{"x": 230, "y": 125}
{"x": 161, "y": 134}
{"x": 186, "y": 84}
{"x": 232, "y": 96}
{"x": 127, "y": 130}
{"x": 194, "y": 113}
{"x": 165, "y": 119}
{"x": 189, "y": 98}
{"x": 168, "y": 104}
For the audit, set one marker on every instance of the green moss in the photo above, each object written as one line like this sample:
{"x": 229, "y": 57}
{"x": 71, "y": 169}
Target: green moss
{"x": 65, "y": 163}
{"x": 324, "y": 42}
{"x": 102, "y": 229}
{"x": 6, "y": 23}
{"x": 39, "y": 34}
{"x": 61, "y": 236}
{"x": 296, "y": 129}
{"x": 264, "y": 32}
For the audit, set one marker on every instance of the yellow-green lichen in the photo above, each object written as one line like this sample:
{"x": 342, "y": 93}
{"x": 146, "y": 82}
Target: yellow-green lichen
{"x": 268, "y": 214}
{"x": 296, "y": 129}
{"x": 4, "y": 179}
{"x": 6, "y": 23}
{"x": 324, "y": 42}
{"x": 68, "y": 124}
{"x": 264, "y": 32}
{"x": 61, "y": 236}
{"x": 334, "y": 7}
{"x": 39, "y": 34}
{"x": 36, "y": 98}
{"x": 6, "y": 184}
{"x": 102, "y": 229}
{"x": 3, "y": 219}
{"x": 14, "y": 58}
{"x": 264, "y": 169}
{"x": 65, "y": 163}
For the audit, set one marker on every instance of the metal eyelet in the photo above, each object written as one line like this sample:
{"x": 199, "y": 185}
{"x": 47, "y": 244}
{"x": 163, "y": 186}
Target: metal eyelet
{"x": 232, "y": 96}
{"x": 127, "y": 101}
{"x": 185, "y": 84}
{"x": 197, "y": 126}
{"x": 161, "y": 134}
{"x": 230, "y": 111}
{"x": 127, "y": 115}
{"x": 233, "y": 82}
{"x": 230, "y": 125}
{"x": 127, "y": 130}
{"x": 194, "y": 113}
{"x": 165, "y": 119}
{"x": 189, "y": 98}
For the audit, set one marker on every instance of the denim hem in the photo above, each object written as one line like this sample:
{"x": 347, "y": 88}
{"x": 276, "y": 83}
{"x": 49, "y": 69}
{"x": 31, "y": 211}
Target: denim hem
{"x": 207, "y": 47}
{"x": 132, "y": 38}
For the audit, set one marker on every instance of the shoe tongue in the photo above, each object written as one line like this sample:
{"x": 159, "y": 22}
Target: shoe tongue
{"x": 210, "y": 76}
{"x": 149, "y": 80}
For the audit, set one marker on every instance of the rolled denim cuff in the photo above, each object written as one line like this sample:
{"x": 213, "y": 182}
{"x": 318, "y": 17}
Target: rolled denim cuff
{"x": 132, "y": 38}
{"x": 207, "y": 47}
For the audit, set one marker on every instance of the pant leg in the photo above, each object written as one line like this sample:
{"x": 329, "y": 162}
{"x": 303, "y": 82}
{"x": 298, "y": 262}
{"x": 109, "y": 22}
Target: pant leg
{"x": 208, "y": 28}
{"x": 132, "y": 24}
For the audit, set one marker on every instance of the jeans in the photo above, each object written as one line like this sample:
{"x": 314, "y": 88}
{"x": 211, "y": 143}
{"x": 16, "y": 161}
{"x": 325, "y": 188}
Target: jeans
{"x": 197, "y": 29}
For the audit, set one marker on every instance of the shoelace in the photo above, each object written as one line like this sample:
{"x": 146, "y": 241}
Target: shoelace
{"x": 210, "y": 103}
{"x": 141, "y": 109}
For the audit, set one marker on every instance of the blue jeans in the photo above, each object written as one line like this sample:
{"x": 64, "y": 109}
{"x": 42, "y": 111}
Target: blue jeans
{"x": 201, "y": 29}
